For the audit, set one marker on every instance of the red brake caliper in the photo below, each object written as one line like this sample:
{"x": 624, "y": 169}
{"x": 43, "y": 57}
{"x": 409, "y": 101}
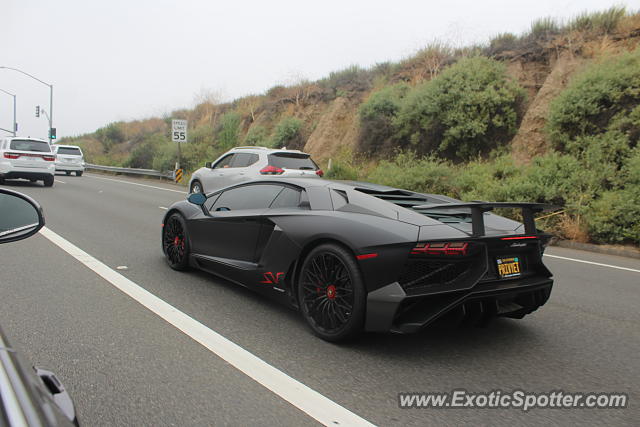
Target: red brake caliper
{"x": 331, "y": 292}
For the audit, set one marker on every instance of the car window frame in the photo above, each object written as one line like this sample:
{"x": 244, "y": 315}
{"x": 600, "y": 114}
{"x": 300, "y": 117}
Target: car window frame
{"x": 253, "y": 156}
{"x": 253, "y": 184}
{"x": 292, "y": 187}
{"x": 215, "y": 165}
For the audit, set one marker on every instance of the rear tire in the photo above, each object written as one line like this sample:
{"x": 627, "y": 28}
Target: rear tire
{"x": 175, "y": 242}
{"x": 196, "y": 187}
{"x": 331, "y": 293}
{"x": 78, "y": 173}
{"x": 68, "y": 173}
{"x": 48, "y": 181}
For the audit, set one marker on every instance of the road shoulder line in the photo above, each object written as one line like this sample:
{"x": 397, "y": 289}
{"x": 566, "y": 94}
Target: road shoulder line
{"x": 136, "y": 183}
{"x": 593, "y": 263}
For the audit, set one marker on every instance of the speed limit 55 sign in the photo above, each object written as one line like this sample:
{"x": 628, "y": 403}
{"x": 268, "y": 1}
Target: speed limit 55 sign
{"x": 179, "y": 130}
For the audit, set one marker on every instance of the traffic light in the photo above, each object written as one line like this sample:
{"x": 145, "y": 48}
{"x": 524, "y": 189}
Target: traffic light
{"x": 52, "y": 133}
{"x": 37, "y": 111}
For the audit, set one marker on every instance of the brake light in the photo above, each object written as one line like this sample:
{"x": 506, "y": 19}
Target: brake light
{"x": 48, "y": 158}
{"x": 320, "y": 173}
{"x": 441, "y": 248}
{"x": 271, "y": 170}
{"x": 11, "y": 155}
{"x": 519, "y": 238}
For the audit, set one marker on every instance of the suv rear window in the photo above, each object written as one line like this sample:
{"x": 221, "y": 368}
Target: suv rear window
{"x": 292, "y": 161}
{"x": 70, "y": 151}
{"x": 30, "y": 145}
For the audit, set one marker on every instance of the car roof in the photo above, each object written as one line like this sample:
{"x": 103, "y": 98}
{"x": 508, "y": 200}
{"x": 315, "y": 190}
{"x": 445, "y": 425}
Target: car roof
{"x": 266, "y": 150}
{"x": 25, "y": 138}
{"x": 318, "y": 182}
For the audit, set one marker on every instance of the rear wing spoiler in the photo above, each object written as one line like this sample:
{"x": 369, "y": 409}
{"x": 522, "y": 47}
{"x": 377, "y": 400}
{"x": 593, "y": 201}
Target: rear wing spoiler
{"x": 479, "y": 208}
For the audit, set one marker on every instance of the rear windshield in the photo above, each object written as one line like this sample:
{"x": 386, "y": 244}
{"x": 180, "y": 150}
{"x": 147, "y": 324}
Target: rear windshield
{"x": 68, "y": 150}
{"x": 292, "y": 161}
{"x": 29, "y": 145}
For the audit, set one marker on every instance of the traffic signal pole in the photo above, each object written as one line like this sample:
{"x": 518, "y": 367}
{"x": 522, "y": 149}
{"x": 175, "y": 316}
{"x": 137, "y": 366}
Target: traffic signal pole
{"x": 50, "y": 112}
{"x": 50, "y": 94}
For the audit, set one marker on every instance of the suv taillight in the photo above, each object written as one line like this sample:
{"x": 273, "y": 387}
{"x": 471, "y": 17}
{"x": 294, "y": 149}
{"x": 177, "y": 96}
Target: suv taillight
{"x": 320, "y": 173}
{"x": 441, "y": 248}
{"x": 271, "y": 170}
{"x": 11, "y": 155}
{"x": 48, "y": 157}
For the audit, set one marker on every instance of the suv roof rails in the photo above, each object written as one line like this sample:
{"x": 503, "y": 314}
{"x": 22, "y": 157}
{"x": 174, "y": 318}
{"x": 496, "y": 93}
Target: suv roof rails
{"x": 251, "y": 147}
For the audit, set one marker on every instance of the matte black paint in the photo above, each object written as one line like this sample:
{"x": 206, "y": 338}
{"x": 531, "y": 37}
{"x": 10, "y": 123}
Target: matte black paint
{"x": 251, "y": 247}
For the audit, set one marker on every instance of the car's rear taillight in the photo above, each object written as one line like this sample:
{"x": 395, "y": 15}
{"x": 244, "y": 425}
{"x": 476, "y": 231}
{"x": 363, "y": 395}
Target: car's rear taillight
{"x": 11, "y": 155}
{"x": 271, "y": 170}
{"x": 320, "y": 173}
{"x": 48, "y": 157}
{"x": 441, "y": 248}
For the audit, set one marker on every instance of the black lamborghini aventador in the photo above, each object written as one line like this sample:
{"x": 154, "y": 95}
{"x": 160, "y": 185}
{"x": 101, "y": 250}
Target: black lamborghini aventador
{"x": 356, "y": 256}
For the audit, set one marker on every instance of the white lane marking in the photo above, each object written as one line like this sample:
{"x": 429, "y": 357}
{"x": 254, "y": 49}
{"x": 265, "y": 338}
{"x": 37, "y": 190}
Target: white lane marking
{"x": 61, "y": 182}
{"x": 594, "y": 263}
{"x": 299, "y": 395}
{"x": 135, "y": 183}
{"x": 163, "y": 208}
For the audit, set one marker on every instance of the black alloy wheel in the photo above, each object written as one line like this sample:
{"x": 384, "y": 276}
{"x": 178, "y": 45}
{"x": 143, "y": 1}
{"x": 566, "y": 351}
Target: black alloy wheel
{"x": 175, "y": 242}
{"x": 331, "y": 293}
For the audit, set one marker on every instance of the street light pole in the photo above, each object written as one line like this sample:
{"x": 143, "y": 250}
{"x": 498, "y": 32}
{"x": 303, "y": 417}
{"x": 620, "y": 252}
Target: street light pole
{"x": 50, "y": 95}
{"x": 15, "y": 125}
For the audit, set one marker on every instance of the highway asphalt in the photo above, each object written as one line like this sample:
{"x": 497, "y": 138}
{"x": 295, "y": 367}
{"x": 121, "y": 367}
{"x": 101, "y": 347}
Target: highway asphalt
{"x": 124, "y": 365}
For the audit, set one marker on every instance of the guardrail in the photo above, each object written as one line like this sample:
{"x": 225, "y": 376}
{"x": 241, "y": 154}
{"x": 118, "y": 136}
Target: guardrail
{"x": 132, "y": 171}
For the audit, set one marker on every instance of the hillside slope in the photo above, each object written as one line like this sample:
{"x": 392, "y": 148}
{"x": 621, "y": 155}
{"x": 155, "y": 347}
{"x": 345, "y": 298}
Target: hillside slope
{"x": 478, "y": 113}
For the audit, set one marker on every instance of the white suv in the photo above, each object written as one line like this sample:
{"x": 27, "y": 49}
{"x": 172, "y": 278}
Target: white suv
{"x": 27, "y": 158}
{"x": 69, "y": 158}
{"x": 245, "y": 163}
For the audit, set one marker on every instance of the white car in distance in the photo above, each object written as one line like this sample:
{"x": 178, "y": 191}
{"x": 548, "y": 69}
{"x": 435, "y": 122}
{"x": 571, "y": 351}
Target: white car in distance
{"x": 27, "y": 158}
{"x": 246, "y": 163}
{"x": 69, "y": 158}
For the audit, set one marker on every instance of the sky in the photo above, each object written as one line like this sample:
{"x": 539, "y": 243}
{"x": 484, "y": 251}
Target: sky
{"x": 127, "y": 60}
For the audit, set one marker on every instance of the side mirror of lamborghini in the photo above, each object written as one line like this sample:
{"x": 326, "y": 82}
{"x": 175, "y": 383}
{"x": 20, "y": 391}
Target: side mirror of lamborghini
{"x": 197, "y": 198}
{"x": 20, "y": 216}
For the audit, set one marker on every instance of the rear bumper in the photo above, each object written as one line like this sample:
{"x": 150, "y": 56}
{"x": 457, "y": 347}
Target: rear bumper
{"x": 35, "y": 174}
{"x": 391, "y": 309}
{"x": 8, "y": 170}
{"x": 69, "y": 167}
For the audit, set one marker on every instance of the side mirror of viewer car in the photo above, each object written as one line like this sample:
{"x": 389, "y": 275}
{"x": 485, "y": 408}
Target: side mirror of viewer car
{"x": 197, "y": 198}
{"x": 20, "y": 216}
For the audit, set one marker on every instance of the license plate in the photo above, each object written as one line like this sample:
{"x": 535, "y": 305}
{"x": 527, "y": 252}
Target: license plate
{"x": 508, "y": 267}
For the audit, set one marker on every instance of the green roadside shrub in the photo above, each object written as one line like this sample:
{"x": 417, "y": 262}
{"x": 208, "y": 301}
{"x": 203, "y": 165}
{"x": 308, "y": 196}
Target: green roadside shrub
{"x": 228, "y": 134}
{"x": 468, "y": 110}
{"x": 341, "y": 170}
{"x": 603, "y": 98}
{"x": 110, "y": 135}
{"x": 408, "y": 171}
{"x": 377, "y": 116}
{"x": 257, "y": 135}
{"x": 288, "y": 133}
{"x": 614, "y": 218}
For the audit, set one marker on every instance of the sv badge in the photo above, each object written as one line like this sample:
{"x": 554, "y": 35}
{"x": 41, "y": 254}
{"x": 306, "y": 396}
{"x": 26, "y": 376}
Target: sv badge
{"x": 272, "y": 278}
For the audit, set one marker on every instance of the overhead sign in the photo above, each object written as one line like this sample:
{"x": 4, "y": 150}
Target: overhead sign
{"x": 179, "y": 130}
